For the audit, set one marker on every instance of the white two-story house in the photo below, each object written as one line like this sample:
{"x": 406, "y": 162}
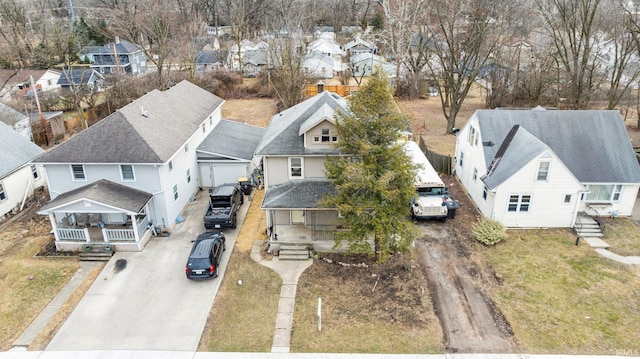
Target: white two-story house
{"x": 541, "y": 168}
{"x": 131, "y": 173}
{"x": 294, "y": 149}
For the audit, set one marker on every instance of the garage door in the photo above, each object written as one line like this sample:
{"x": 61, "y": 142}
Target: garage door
{"x": 228, "y": 173}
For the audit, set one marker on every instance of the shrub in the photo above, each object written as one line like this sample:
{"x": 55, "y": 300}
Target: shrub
{"x": 489, "y": 232}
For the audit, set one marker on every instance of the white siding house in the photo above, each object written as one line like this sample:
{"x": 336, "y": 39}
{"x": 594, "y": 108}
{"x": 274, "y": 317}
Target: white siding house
{"x": 18, "y": 177}
{"x": 540, "y": 168}
{"x": 148, "y": 149}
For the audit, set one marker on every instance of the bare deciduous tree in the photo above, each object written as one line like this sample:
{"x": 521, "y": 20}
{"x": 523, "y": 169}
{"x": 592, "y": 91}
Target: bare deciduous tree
{"x": 287, "y": 75}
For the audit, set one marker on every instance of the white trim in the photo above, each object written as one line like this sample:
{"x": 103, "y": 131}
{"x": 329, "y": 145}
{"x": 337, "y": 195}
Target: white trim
{"x": 73, "y": 176}
{"x": 133, "y": 172}
{"x": 301, "y": 167}
{"x": 519, "y": 203}
{"x": 546, "y": 178}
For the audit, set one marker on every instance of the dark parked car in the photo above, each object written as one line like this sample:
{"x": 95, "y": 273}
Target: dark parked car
{"x": 205, "y": 256}
{"x": 224, "y": 203}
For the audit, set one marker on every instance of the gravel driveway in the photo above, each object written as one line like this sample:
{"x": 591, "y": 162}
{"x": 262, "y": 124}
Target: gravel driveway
{"x": 143, "y": 300}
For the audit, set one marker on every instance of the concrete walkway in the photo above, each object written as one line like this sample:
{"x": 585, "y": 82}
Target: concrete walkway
{"x": 290, "y": 272}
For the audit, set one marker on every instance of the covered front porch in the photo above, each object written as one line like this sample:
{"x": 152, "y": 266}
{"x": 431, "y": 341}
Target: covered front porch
{"x": 102, "y": 213}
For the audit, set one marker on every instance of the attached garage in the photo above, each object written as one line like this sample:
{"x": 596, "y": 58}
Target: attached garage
{"x": 227, "y": 153}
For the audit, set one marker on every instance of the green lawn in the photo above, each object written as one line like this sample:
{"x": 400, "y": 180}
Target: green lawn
{"x": 563, "y": 298}
{"x": 622, "y": 235}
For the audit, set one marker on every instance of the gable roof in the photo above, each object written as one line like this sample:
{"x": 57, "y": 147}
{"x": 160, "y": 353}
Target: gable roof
{"x": 233, "y": 140}
{"x": 211, "y": 57}
{"x": 518, "y": 148}
{"x": 593, "y": 144}
{"x": 170, "y": 118}
{"x": 122, "y": 47}
{"x": 15, "y": 150}
{"x": 77, "y": 76}
{"x": 282, "y": 137}
{"x": 103, "y": 192}
{"x": 10, "y": 116}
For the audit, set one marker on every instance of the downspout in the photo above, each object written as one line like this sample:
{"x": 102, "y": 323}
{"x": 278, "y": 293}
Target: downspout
{"x": 26, "y": 192}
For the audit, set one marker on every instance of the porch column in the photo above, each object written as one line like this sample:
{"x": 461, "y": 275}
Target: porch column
{"x": 54, "y": 226}
{"x": 86, "y": 234}
{"x": 134, "y": 227}
{"x": 104, "y": 235}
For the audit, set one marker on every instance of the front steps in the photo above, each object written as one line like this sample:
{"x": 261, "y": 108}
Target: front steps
{"x": 291, "y": 251}
{"x": 588, "y": 227}
{"x": 96, "y": 252}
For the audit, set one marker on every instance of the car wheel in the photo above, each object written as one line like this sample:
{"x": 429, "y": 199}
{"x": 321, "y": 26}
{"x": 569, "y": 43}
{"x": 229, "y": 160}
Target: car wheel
{"x": 233, "y": 222}
{"x": 215, "y": 272}
{"x": 224, "y": 246}
{"x": 241, "y": 198}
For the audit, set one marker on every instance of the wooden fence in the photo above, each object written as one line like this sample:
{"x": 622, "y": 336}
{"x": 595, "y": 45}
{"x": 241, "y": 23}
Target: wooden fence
{"x": 342, "y": 90}
{"x": 441, "y": 163}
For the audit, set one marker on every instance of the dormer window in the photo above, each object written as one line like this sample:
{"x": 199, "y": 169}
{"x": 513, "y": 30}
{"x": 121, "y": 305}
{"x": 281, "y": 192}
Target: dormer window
{"x": 326, "y": 135}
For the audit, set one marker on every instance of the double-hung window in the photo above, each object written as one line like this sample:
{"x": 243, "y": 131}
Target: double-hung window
{"x": 127, "y": 173}
{"x": 519, "y": 203}
{"x": 543, "y": 171}
{"x": 295, "y": 167}
{"x": 34, "y": 171}
{"x": 78, "y": 173}
{"x": 3, "y": 193}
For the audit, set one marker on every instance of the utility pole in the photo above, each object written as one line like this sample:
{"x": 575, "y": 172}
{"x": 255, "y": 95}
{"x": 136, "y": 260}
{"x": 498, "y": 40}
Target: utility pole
{"x": 43, "y": 122}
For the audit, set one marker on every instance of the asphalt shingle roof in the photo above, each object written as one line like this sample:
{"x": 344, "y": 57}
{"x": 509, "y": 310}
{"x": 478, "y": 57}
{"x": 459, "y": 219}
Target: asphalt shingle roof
{"x": 593, "y": 144}
{"x": 282, "y": 137}
{"x": 15, "y": 150}
{"x": 233, "y": 140}
{"x": 103, "y": 192}
{"x": 128, "y": 136}
{"x": 299, "y": 194}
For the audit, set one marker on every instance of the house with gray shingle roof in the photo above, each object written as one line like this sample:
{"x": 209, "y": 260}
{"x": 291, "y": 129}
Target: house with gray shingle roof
{"x": 293, "y": 150}
{"x": 542, "y": 168}
{"x": 227, "y": 153}
{"x": 18, "y": 176}
{"x": 150, "y": 147}
{"x": 118, "y": 56}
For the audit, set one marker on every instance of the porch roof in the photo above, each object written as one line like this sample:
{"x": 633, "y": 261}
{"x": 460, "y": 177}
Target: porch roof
{"x": 104, "y": 192}
{"x": 299, "y": 194}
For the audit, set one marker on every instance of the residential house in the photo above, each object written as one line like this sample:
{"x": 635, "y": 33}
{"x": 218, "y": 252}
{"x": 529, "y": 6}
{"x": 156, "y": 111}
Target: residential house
{"x": 18, "y": 176}
{"x": 85, "y": 78}
{"x": 210, "y": 61}
{"x": 319, "y": 65}
{"x": 254, "y": 56}
{"x": 131, "y": 173}
{"x": 293, "y": 150}
{"x": 227, "y": 153}
{"x": 325, "y": 45}
{"x": 541, "y": 168}
{"x": 119, "y": 56}
{"x": 359, "y": 46}
{"x": 365, "y": 63}
{"x": 21, "y": 82}
{"x": 16, "y": 120}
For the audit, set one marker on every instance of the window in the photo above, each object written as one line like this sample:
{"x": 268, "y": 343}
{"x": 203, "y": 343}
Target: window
{"x": 475, "y": 174}
{"x": 519, "y": 203}
{"x": 186, "y": 148}
{"x": 567, "y": 198}
{"x": 604, "y": 193}
{"x": 334, "y": 138}
{"x": 543, "y": 171}
{"x": 326, "y": 136}
{"x": 78, "y": 173}
{"x": 3, "y": 193}
{"x": 34, "y": 171}
{"x": 461, "y": 158}
{"x": 127, "y": 173}
{"x": 316, "y": 139}
{"x": 210, "y": 121}
{"x": 170, "y": 166}
{"x": 484, "y": 193}
{"x": 472, "y": 135}
{"x": 204, "y": 128}
{"x": 175, "y": 192}
{"x": 295, "y": 167}
{"x": 188, "y": 175}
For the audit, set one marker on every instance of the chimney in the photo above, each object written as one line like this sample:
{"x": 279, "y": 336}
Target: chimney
{"x": 320, "y": 87}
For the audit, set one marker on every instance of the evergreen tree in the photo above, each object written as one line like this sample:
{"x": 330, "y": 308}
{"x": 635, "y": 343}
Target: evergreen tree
{"x": 374, "y": 180}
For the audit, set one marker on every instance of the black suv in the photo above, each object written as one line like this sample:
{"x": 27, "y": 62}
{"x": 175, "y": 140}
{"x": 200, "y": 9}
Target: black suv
{"x": 224, "y": 203}
{"x": 205, "y": 256}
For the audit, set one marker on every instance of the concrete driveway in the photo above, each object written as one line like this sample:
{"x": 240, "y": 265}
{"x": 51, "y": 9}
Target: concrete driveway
{"x": 149, "y": 304}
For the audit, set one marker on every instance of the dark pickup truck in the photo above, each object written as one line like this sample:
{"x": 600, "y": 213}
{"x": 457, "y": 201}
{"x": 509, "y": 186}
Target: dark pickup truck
{"x": 224, "y": 203}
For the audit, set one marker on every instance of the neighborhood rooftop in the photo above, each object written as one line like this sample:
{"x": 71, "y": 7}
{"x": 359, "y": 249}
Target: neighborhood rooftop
{"x": 282, "y": 136}
{"x": 606, "y": 158}
{"x": 15, "y": 150}
{"x": 148, "y": 130}
{"x": 233, "y": 140}
{"x": 298, "y": 194}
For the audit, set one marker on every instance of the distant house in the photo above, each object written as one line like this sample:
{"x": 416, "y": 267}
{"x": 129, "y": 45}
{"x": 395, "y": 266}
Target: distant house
{"x": 21, "y": 85}
{"x": 293, "y": 150}
{"x": 319, "y": 65}
{"x": 359, "y": 46}
{"x": 18, "y": 176}
{"x": 132, "y": 171}
{"x": 210, "y": 61}
{"x": 541, "y": 168}
{"x": 365, "y": 63}
{"x": 325, "y": 45}
{"x": 86, "y": 78}
{"x": 255, "y": 57}
{"x": 118, "y": 56}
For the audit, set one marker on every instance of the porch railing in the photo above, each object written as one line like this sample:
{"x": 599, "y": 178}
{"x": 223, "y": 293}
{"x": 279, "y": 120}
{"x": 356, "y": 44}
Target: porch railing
{"x": 114, "y": 235}
{"x": 72, "y": 234}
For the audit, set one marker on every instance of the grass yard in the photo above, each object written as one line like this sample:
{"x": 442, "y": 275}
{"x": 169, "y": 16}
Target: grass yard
{"x": 243, "y": 318}
{"x": 21, "y": 298}
{"x": 563, "y": 298}
{"x": 622, "y": 235}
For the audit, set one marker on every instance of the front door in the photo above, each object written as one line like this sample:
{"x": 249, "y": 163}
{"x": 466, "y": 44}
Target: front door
{"x": 297, "y": 217}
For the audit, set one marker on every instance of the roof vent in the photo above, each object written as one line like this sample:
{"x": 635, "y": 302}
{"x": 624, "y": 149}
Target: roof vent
{"x": 488, "y": 143}
{"x": 143, "y": 112}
